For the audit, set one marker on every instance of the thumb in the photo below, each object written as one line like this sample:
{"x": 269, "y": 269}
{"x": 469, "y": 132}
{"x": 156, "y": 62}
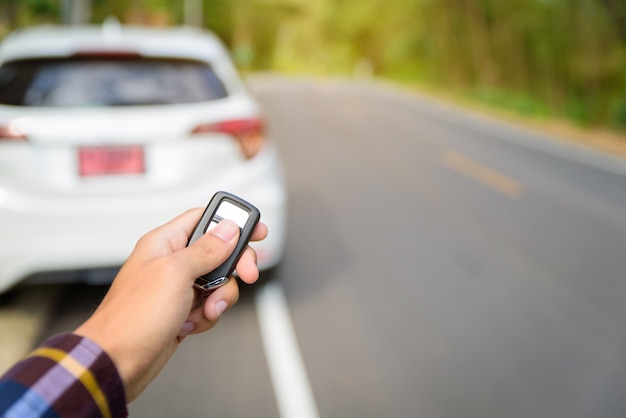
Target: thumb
{"x": 212, "y": 249}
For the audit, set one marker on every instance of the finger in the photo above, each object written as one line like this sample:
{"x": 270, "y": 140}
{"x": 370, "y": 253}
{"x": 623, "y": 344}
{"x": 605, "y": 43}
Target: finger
{"x": 221, "y": 300}
{"x": 247, "y": 269}
{"x": 186, "y": 223}
{"x": 260, "y": 232}
{"x": 174, "y": 235}
{"x": 206, "y": 316}
{"x": 210, "y": 250}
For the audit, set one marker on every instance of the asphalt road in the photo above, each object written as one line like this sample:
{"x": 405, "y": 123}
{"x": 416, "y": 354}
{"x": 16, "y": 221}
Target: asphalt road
{"x": 440, "y": 264}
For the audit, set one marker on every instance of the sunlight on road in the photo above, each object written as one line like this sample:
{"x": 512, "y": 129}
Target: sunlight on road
{"x": 21, "y": 319}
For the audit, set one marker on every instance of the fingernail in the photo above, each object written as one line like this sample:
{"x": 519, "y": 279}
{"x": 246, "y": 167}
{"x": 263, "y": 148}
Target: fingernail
{"x": 225, "y": 230}
{"x": 220, "y": 307}
{"x": 186, "y": 329}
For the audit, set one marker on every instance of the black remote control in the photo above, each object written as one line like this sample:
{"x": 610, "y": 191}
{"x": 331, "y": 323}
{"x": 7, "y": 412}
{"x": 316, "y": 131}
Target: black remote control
{"x": 224, "y": 205}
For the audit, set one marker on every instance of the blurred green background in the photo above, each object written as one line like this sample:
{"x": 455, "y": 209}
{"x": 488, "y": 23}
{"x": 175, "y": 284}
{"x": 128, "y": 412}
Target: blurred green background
{"x": 540, "y": 58}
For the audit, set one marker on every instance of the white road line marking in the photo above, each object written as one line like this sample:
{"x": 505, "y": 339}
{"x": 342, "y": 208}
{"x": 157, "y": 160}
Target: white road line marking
{"x": 292, "y": 389}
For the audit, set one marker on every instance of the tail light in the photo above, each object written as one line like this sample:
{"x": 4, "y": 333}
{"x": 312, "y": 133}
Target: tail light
{"x": 249, "y": 133}
{"x": 11, "y": 132}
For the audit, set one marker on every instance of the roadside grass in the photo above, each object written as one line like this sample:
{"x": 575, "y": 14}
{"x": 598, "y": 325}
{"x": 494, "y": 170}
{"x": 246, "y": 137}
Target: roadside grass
{"x": 570, "y": 124}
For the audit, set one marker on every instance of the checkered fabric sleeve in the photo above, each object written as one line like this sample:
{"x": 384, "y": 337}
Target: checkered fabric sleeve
{"x": 67, "y": 376}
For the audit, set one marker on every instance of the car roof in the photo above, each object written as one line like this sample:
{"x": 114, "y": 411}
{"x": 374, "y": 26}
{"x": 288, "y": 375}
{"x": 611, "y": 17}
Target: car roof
{"x": 60, "y": 41}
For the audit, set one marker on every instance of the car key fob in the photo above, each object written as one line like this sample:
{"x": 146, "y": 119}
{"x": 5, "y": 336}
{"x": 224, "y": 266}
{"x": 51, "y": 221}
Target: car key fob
{"x": 224, "y": 205}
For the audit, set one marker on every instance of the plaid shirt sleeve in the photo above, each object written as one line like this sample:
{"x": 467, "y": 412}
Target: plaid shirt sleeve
{"x": 67, "y": 376}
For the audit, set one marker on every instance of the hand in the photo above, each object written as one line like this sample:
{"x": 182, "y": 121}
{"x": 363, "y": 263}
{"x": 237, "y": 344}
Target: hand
{"x": 147, "y": 311}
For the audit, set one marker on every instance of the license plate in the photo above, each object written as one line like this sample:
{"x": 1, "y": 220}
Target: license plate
{"x": 104, "y": 161}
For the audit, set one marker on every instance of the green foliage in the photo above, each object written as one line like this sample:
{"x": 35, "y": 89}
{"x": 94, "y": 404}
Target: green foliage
{"x": 101, "y": 9}
{"x": 519, "y": 102}
{"x": 219, "y": 17}
{"x": 539, "y": 57}
{"x": 43, "y": 8}
{"x": 568, "y": 57}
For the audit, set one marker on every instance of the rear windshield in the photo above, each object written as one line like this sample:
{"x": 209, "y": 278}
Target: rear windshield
{"x": 108, "y": 81}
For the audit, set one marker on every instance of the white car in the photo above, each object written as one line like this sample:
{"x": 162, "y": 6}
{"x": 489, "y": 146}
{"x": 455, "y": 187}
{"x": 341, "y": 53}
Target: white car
{"x": 107, "y": 132}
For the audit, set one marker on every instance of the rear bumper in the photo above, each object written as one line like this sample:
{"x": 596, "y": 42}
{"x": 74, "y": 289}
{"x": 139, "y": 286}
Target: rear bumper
{"x": 36, "y": 240}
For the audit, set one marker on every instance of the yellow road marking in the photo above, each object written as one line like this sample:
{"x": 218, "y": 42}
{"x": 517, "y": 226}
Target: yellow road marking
{"x": 482, "y": 174}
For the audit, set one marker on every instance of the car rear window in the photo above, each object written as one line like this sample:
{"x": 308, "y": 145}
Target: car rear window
{"x": 107, "y": 81}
